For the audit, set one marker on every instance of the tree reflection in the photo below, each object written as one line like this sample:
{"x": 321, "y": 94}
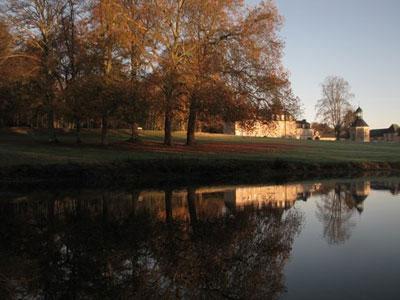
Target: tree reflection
{"x": 100, "y": 245}
{"x": 336, "y": 208}
{"x": 238, "y": 256}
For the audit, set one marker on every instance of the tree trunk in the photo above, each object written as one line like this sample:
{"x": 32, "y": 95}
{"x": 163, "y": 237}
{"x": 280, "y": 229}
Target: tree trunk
{"x": 337, "y": 133}
{"x": 191, "y": 129}
{"x": 104, "y": 128}
{"x": 78, "y": 131}
{"x": 191, "y": 198}
{"x": 135, "y": 199}
{"x": 168, "y": 205}
{"x": 134, "y": 133}
{"x": 50, "y": 126}
{"x": 168, "y": 128}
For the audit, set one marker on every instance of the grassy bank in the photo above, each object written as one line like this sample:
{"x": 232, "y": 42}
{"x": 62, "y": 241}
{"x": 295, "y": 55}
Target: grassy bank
{"x": 25, "y": 156}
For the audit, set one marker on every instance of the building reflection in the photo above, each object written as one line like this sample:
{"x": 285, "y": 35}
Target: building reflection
{"x": 209, "y": 202}
{"x": 216, "y": 202}
{"x": 358, "y": 193}
{"x": 391, "y": 185}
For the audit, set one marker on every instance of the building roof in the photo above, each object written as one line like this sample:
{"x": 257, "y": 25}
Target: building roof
{"x": 375, "y": 133}
{"x": 359, "y": 123}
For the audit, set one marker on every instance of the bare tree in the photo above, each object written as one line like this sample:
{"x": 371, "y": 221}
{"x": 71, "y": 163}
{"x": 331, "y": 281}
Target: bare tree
{"x": 335, "y": 103}
{"x": 335, "y": 215}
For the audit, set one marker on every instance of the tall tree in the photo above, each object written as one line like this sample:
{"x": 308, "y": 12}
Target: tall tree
{"x": 334, "y": 105}
{"x": 134, "y": 106}
{"x": 228, "y": 46}
{"x": 137, "y": 46}
{"x": 106, "y": 35}
{"x": 210, "y": 27}
{"x": 72, "y": 57}
{"x": 172, "y": 55}
{"x": 37, "y": 24}
{"x": 5, "y": 43}
{"x": 254, "y": 69}
{"x": 5, "y": 51}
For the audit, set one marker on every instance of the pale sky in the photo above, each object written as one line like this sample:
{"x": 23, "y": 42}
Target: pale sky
{"x": 356, "y": 39}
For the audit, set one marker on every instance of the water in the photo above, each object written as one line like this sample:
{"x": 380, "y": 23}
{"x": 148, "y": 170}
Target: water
{"x": 333, "y": 239}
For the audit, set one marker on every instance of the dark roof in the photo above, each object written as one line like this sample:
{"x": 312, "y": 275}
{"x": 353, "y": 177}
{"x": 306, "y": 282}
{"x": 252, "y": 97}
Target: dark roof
{"x": 304, "y": 124}
{"x": 359, "y": 110}
{"x": 374, "y": 133}
{"x": 380, "y": 132}
{"x": 359, "y": 123}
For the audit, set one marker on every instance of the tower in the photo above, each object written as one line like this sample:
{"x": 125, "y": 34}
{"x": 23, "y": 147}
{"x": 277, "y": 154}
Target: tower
{"x": 359, "y": 130}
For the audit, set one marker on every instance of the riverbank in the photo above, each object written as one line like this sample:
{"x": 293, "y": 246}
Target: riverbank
{"x": 150, "y": 173}
{"x": 26, "y": 159}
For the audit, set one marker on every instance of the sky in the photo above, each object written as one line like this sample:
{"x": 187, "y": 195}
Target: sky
{"x": 358, "y": 40}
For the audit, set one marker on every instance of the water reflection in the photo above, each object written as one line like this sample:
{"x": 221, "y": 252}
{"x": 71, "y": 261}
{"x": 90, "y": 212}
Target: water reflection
{"x": 187, "y": 244}
{"x": 336, "y": 208}
{"x": 213, "y": 242}
{"x": 341, "y": 202}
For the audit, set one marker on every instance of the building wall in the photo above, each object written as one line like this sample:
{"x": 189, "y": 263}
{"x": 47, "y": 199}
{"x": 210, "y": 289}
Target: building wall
{"x": 378, "y": 139}
{"x": 360, "y": 134}
{"x": 391, "y": 137}
{"x": 280, "y": 196}
{"x": 275, "y": 129}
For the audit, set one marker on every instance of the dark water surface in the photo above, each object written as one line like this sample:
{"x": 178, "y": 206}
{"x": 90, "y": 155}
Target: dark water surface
{"x": 336, "y": 239}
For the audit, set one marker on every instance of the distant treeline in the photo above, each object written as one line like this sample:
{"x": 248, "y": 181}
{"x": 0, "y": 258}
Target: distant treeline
{"x": 168, "y": 64}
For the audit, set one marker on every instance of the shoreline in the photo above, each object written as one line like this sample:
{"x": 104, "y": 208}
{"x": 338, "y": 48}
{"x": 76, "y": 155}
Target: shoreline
{"x": 168, "y": 172}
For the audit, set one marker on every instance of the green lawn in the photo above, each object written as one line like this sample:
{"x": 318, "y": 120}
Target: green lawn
{"x": 25, "y": 147}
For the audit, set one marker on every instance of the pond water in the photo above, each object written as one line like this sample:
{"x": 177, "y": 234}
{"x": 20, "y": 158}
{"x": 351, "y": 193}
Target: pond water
{"x": 335, "y": 239}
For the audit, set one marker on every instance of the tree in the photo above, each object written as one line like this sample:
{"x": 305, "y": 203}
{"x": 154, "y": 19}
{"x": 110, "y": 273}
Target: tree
{"x": 108, "y": 95}
{"x": 171, "y": 47}
{"x": 140, "y": 20}
{"x": 37, "y": 24}
{"x": 334, "y": 105}
{"x": 240, "y": 50}
{"x": 134, "y": 106}
{"x": 5, "y": 49}
{"x": 106, "y": 47}
{"x": 323, "y": 129}
{"x": 253, "y": 68}
{"x": 209, "y": 30}
{"x": 72, "y": 57}
{"x": 5, "y": 43}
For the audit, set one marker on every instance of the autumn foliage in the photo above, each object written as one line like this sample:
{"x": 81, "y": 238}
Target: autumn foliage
{"x": 157, "y": 64}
